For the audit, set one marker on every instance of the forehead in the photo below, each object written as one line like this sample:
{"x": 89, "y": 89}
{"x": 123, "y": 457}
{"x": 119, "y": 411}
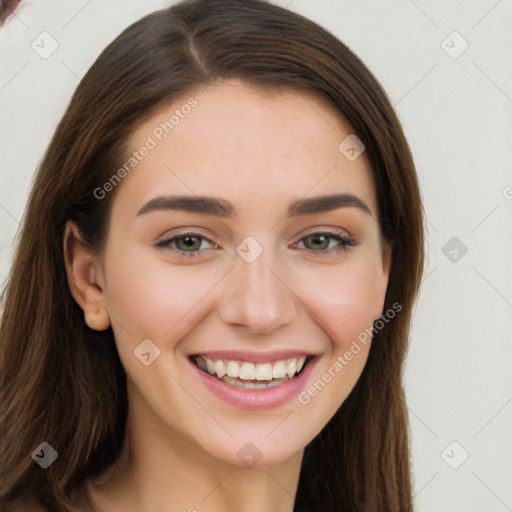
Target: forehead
{"x": 247, "y": 143}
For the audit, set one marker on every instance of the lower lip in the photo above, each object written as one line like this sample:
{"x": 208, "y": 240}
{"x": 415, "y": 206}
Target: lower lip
{"x": 256, "y": 398}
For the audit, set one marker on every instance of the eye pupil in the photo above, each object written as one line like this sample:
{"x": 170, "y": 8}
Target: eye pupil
{"x": 190, "y": 242}
{"x": 319, "y": 240}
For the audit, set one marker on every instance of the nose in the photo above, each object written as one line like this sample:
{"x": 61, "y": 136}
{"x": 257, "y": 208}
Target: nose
{"x": 257, "y": 297}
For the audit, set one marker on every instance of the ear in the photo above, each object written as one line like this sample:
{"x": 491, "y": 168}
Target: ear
{"x": 384, "y": 277}
{"x": 85, "y": 278}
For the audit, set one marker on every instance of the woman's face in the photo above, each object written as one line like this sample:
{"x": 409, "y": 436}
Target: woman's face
{"x": 252, "y": 287}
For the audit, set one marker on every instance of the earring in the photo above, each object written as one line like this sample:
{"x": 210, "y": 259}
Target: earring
{"x": 97, "y": 320}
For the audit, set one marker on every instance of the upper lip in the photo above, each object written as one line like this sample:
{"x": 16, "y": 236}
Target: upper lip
{"x": 252, "y": 356}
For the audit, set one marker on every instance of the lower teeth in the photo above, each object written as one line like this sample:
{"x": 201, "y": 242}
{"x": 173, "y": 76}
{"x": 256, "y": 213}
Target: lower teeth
{"x": 253, "y": 385}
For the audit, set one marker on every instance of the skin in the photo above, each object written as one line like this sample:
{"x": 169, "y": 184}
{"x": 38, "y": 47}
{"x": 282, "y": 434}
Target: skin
{"x": 258, "y": 149}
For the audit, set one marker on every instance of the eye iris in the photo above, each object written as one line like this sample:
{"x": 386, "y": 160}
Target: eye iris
{"x": 319, "y": 239}
{"x": 192, "y": 243}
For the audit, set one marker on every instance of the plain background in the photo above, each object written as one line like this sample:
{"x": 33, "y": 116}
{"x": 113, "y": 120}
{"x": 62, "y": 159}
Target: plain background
{"x": 455, "y": 104}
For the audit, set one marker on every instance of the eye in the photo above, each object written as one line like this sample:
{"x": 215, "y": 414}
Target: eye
{"x": 320, "y": 242}
{"x": 191, "y": 243}
{"x": 186, "y": 243}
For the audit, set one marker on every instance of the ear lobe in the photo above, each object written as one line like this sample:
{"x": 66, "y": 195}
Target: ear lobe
{"x": 85, "y": 279}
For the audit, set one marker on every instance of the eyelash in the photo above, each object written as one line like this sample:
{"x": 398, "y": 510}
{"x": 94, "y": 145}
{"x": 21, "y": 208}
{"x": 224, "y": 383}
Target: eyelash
{"x": 345, "y": 243}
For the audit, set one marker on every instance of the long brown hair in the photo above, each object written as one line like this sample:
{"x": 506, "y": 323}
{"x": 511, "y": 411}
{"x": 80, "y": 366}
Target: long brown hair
{"x": 63, "y": 383}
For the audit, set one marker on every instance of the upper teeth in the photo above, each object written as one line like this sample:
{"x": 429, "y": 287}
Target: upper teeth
{"x": 246, "y": 370}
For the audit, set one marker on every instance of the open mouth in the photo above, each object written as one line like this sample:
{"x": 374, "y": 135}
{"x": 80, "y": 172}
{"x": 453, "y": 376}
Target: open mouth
{"x": 249, "y": 375}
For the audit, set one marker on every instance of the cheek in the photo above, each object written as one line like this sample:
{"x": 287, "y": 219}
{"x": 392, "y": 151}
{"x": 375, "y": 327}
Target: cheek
{"x": 341, "y": 303}
{"x": 343, "y": 298}
{"x": 150, "y": 300}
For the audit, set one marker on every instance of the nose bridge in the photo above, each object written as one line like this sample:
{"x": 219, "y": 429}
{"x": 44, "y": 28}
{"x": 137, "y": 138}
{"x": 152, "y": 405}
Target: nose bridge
{"x": 255, "y": 296}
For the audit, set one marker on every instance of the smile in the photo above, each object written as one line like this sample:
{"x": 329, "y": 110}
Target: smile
{"x": 249, "y": 375}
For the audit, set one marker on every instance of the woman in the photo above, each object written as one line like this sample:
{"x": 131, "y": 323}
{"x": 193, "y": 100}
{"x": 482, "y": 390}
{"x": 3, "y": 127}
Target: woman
{"x": 211, "y": 296}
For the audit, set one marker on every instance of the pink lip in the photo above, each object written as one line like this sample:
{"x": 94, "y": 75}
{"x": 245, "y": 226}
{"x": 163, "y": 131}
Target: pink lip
{"x": 255, "y": 399}
{"x": 253, "y": 357}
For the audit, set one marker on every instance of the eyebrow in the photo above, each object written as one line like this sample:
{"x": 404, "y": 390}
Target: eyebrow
{"x": 219, "y": 207}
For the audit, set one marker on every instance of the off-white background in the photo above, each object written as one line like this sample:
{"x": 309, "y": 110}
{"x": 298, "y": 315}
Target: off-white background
{"x": 457, "y": 114}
